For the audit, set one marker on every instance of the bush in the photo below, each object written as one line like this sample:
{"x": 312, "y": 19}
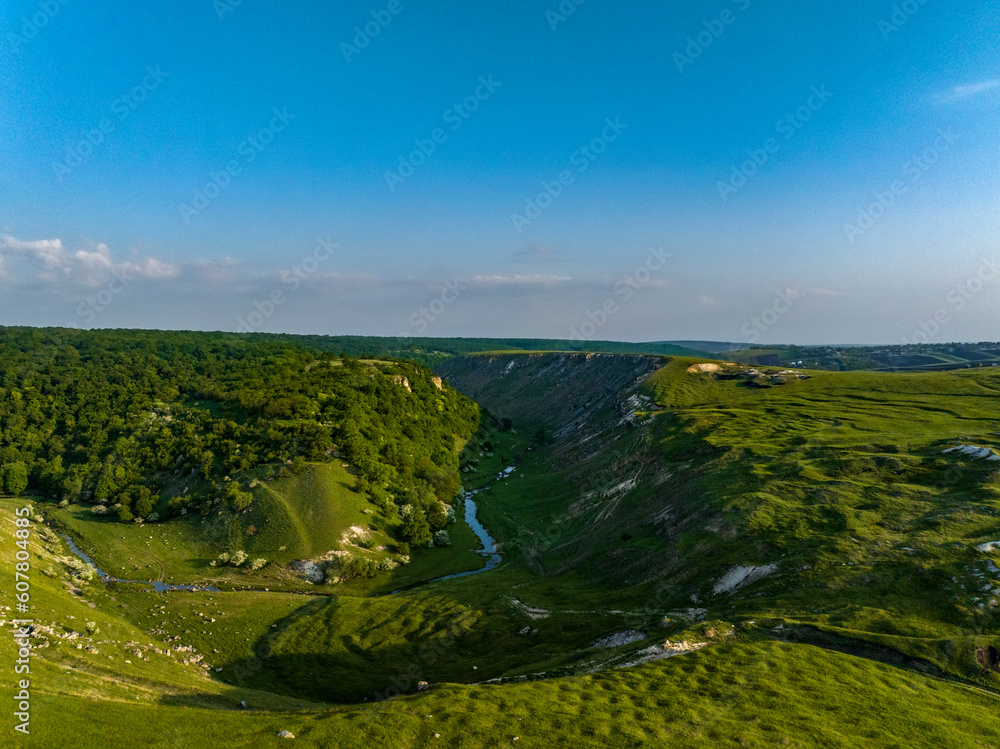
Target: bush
{"x": 239, "y": 558}
{"x": 357, "y": 567}
{"x": 223, "y": 559}
{"x": 99, "y": 510}
{"x": 92, "y": 628}
{"x": 441, "y": 538}
{"x": 256, "y": 564}
{"x": 80, "y": 569}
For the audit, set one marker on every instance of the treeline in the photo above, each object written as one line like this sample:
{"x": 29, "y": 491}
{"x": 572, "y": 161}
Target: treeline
{"x": 152, "y": 424}
{"x": 432, "y": 352}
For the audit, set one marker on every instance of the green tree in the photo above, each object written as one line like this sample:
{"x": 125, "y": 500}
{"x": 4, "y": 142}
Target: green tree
{"x": 15, "y": 478}
{"x": 415, "y": 530}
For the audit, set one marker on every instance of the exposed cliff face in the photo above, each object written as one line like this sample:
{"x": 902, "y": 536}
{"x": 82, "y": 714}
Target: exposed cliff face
{"x": 557, "y": 391}
{"x": 609, "y": 484}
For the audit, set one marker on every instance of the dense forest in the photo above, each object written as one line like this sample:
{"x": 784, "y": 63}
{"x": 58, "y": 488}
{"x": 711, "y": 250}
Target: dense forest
{"x": 152, "y": 424}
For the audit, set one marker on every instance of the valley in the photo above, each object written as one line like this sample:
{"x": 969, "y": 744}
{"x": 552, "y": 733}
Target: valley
{"x": 639, "y": 549}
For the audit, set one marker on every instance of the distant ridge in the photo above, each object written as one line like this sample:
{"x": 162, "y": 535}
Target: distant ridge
{"x": 711, "y": 347}
{"x": 434, "y": 351}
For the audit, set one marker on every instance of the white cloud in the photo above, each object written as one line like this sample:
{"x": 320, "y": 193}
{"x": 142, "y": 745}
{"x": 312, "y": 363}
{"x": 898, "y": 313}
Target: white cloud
{"x": 49, "y": 251}
{"x": 520, "y": 281}
{"x": 970, "y": 89}
{"x": 46, "y": 262}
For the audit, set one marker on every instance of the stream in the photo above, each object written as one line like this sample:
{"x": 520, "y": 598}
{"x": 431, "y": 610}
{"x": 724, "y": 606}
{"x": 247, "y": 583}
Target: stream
{"x": 489, "y": 549}
{"x": 106, "y": 578}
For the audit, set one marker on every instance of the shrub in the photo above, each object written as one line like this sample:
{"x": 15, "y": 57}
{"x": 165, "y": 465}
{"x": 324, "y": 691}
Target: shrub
{"x": 356, "y": 567}
{"x": 239, "y": 558}
{"x": 98, "y": 509}
{"x": 441, "y": 538}
{"x": 256, "y": 564}
{"x": 223, "y": 559}
{"x": 92, "y": 628}
{"x": 80, "y": 569}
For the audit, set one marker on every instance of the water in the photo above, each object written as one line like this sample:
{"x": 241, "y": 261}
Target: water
{"x": 106, "y": 578}
{"x": 489, "y": 549}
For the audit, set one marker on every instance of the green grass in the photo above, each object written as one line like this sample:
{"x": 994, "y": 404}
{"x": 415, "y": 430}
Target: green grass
{"x": 761, "y": 695}
{"x": 308, "y": 514}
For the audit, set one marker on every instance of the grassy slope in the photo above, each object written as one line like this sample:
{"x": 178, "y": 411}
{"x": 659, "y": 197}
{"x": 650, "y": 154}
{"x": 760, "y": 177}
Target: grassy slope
{"x": 105, "y": 665}
{"x": 760, "y": 695}
{"x": 841, "y": 480}
{"x": 299, "y": 517}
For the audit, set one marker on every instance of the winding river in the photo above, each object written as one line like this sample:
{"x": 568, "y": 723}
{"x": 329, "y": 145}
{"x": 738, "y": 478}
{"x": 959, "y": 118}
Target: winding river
{"x": 489, "y": 549}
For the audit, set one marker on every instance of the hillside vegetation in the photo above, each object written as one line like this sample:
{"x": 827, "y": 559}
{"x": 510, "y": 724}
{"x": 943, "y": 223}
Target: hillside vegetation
{"x": 153, "y": 426}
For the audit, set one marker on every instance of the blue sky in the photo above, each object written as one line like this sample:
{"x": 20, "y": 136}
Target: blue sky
{"x": 504, "y": 169}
